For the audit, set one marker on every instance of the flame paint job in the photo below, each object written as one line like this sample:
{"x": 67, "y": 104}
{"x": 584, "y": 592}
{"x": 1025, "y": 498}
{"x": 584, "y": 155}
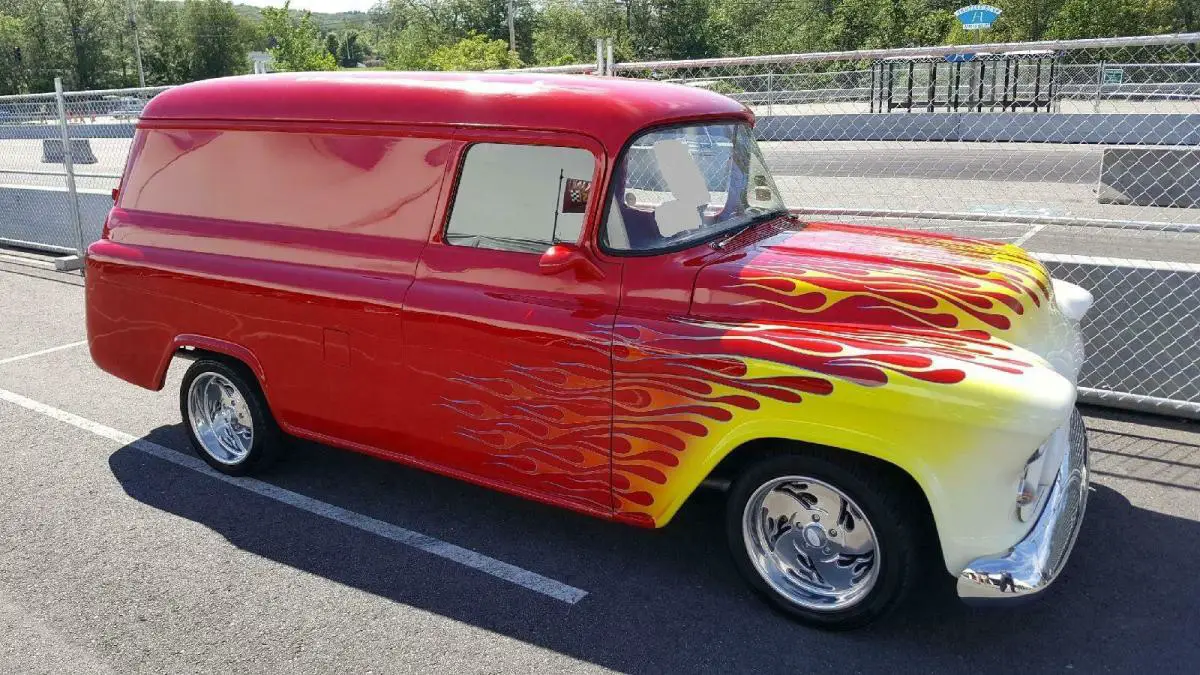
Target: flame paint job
{"x": 846, "y": 274}
{"x": 613, "y": 392}
{"x": 678, "y": 387}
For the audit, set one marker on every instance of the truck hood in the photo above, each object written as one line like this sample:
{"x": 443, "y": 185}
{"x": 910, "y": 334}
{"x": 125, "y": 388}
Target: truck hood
{"x": 818, "y": 273}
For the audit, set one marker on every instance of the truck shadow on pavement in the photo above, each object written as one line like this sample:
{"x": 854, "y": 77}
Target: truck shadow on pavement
{"x": 670, "y": 600}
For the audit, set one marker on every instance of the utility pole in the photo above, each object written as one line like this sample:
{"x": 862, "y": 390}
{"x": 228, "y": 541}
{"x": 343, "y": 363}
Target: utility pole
{"x": 628, "y": 5}
{"x": 512, "y": 31}
{"x": 137, "y": 43}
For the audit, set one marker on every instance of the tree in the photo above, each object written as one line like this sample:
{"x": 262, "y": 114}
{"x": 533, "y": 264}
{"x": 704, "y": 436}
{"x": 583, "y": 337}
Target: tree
{"x": 408, "y": 32}
{"x": 475, "y": 52}
{"x": 166, "y": 50}
{"x": 1024, "y": 20}
{"x": 88, "y": 28}
{"x": 331, "y": 45}
{"x": 217, "y": 39}
{"x": 678, "y": 29}
{"x": 297, "y": 44}
{"x": 566, "y": 32}
{"x": 12, "y": 78}
{"x": 351, "y": 51}
{"x": 1111, "y": 18}
{"x": 43, "y": 43}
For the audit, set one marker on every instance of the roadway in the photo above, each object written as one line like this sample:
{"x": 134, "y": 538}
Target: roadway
{"x": 119, "y": 553}
{"x": 976, "y": 161}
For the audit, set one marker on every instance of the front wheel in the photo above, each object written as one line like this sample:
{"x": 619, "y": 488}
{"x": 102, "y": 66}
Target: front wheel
{"x": 830, "y": 542}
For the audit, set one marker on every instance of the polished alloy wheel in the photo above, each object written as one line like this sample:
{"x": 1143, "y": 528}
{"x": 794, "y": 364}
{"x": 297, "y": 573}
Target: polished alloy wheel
{"x": 220, "y": 418}
{"x": 811, "y": 543}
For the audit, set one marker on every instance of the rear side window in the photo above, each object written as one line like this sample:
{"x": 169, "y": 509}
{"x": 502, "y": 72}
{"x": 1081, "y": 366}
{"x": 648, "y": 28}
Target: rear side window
{"x": 520, "y": 197}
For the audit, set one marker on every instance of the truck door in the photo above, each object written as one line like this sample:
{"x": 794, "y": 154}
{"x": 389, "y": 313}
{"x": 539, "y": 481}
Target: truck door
{"x": 509, "y": 345}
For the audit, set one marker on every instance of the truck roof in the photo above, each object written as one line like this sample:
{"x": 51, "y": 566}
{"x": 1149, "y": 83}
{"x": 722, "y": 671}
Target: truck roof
{"x": 607, "y": 108}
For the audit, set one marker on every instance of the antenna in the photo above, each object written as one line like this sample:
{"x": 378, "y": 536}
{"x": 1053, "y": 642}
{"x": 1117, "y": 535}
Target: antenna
{"x": 557, "y": 199}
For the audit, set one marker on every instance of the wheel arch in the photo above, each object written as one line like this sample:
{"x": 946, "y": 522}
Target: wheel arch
{"x": 194, "y": 347}
{"x": 740, "y": 453}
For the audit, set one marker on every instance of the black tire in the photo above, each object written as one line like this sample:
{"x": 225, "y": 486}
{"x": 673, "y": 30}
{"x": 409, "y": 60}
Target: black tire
{"x": 266, "y": 445}
{"x": 898, "y": 525}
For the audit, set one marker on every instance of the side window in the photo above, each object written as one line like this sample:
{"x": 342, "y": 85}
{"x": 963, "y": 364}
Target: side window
{"x": 520, "y": 197}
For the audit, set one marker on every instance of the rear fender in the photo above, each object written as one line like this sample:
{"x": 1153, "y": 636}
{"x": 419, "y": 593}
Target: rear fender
{"x": 188, "y": 342}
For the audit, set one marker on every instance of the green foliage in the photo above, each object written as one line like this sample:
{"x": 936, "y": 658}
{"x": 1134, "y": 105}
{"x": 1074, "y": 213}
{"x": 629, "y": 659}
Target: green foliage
{"x": 167, "y": 45}
{"x": 89, "y": 43}
{"x": 42, "y": 40}
{"x": 11, "y": 76}
{"x": 352, "y": 50}
{"x": 1110, "y": 18}
{"x": 335, "y": 22}
{"x": 408, "y": 32}
{"x": 475, "y": 52}
{"x": 565, "y": 34}
{"x": 217, "y": 39}
{"x": 726, "y": 87}
{"x": 331, "y": 45}
{"x": 297, "y": 43}
{"x": 679, "y": 29}
{"x": 89, "y": 25}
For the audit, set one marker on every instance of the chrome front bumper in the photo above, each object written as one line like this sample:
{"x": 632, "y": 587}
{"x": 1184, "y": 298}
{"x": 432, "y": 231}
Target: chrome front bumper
{"x": 1032, "y": 565}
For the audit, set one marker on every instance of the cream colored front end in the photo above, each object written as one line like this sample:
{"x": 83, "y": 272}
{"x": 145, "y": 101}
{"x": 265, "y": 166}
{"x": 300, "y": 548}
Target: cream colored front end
{"x": 1048, "y": 494}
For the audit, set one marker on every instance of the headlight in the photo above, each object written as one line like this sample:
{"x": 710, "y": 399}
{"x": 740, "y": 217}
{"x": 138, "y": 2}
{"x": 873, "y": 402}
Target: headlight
{"x": 1040, "y": 471}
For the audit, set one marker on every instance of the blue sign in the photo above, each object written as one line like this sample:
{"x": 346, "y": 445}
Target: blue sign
{"x": 960, "y": 58}
{"x": 977, "y": 17}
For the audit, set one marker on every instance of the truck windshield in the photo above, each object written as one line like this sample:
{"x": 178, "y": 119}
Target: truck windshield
{"x": 682, "y": 185}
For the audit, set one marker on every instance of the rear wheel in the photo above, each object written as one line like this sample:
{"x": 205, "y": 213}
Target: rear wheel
{"x": 830, "y": 542}
{"x": 227, "y": 418}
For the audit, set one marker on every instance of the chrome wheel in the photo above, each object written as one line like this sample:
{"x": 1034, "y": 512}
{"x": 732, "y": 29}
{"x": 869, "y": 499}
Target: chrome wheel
{"x": 220, "y": 418}
{"x": 811, "y": 543}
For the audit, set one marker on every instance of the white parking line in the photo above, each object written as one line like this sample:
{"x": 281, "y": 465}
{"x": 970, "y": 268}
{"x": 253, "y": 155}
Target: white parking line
{"x": 1161, "y": 265}
{"x": 463, "y": 556}
{"x": 51, "y": 350}
{"x": 1028, "y": 235}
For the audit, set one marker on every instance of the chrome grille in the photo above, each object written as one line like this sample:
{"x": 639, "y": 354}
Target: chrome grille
{"x": 1076, "y": 496}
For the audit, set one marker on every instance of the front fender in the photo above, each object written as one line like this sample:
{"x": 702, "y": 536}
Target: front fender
{"x": 960, "y": 416}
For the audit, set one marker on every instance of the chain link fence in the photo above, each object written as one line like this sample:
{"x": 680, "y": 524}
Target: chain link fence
{"x": 61, "y": 155}
{"x": 1085, "y": 152}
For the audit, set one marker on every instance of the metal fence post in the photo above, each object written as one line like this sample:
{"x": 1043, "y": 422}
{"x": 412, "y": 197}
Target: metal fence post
{"x": 69, "y": 165}
{"x": 770, "y": 93}
{"x": 1099, "y": 85}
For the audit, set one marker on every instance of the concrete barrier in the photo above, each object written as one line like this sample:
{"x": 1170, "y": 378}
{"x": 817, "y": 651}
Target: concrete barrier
{"x": 1150, "y": 177}
{"x": 41, "y": 215}
{"x": 984, "y": 127}
{"x": 39, "y": 131}
{"x": 53, "y": 151}
{"x": 1141, "y": 333}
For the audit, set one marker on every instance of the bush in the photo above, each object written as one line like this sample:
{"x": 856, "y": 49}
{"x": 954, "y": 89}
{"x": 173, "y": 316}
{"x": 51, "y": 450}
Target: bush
{"x": 475, "y": 52}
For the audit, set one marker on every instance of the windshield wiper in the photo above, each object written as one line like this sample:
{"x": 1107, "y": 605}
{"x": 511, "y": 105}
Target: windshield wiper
{"x": 756, "y": 220}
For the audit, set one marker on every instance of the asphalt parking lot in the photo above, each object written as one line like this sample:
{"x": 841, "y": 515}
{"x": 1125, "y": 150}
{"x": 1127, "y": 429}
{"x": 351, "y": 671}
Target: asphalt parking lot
{"x": 118, "y": 555}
